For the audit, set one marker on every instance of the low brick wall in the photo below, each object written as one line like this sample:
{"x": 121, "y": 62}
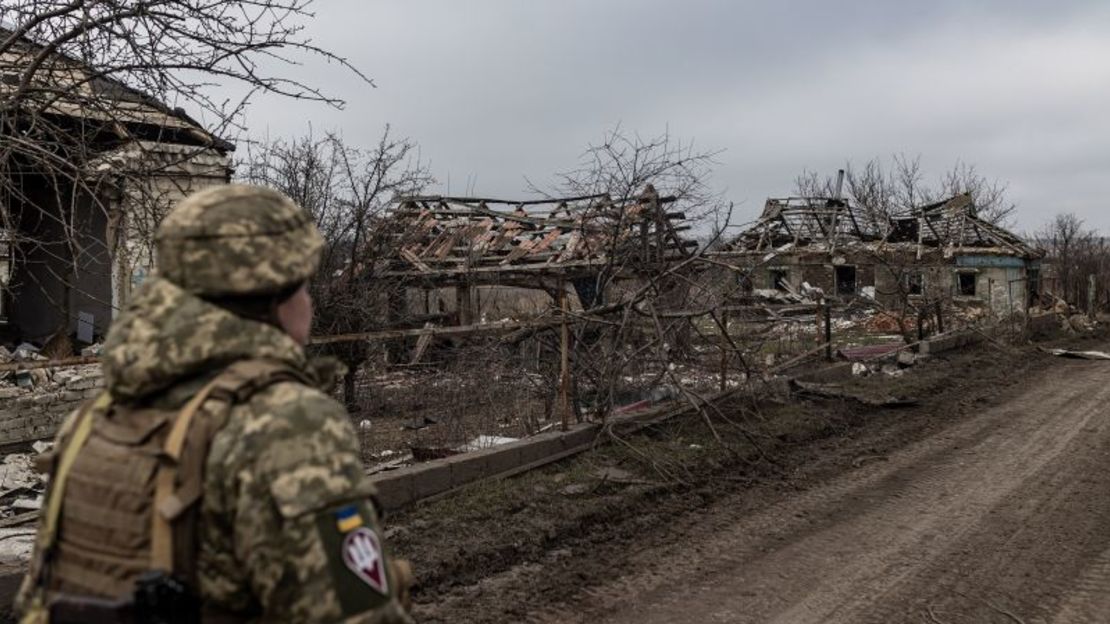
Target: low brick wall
{"x": 398, "y": 488}
{"x": 949, "y": 341}
{"x": 29, "y": 414}
{"x": 407, "y": 485}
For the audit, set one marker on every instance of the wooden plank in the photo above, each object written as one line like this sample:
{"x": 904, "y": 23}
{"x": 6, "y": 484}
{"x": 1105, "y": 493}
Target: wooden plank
{"x": 421, "y": 346}
{"x": 458, "y": 330}
{"x": 415, "y": 261}
{"x": 18, "y": 519}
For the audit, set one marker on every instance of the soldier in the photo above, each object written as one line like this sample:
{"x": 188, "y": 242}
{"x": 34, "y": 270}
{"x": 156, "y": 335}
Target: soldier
{"x": 214, "y": 480}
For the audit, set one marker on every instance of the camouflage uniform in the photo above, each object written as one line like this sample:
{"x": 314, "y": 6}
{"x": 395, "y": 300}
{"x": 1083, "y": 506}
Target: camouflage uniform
{"x": 283, "y": 485}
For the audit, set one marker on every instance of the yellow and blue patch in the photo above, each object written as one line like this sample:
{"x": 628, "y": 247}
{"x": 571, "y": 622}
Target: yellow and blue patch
{"x": 356, "y": 560}
{"x": 348, "y": 518}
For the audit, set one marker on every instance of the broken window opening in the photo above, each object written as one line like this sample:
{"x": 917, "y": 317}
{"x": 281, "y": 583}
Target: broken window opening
{"x": 779, "y": 279}
{"x": 845, "y": 280}
{"x": 915, "y": 283}
{"x": 965, "y": 284}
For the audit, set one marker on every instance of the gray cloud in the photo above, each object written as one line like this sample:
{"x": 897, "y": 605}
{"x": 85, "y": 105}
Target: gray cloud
{"x": 496, "y": 90}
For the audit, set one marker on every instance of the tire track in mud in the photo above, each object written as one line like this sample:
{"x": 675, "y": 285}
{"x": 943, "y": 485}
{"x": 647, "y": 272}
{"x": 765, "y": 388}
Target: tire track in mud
{"x": 1005, "y": 512}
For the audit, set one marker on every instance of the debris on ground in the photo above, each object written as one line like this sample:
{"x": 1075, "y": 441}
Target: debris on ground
{"x": 869, "y": 352}
{"x": 17, "y": 472}
{"x": 419, "y": 423}
{"x": 484, "y": 442}
{"x": 21, "y": 496}
{"x": 575, "y": 489}
{"x": 1082, "y": 355}
{"x": 92, "y": 350}
{"x": 16, "y": 545}
{"x": 832, "y": 391}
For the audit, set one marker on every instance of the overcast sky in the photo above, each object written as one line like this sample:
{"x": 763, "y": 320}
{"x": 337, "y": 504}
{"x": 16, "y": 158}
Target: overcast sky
{"x": 497, "y": 90}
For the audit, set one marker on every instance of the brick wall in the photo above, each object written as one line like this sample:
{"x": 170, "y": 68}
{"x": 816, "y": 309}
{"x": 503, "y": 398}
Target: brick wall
{"x": 28, "y": 414}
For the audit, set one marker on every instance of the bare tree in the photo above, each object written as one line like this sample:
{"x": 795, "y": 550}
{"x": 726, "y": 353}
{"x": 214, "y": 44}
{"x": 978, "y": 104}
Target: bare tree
{"x": 991, "y": 202}
{"x": 348, "y": 191}
{"x": 1074, "y": 254}
{"x": 623, "y": 163}
{"x": 883, "y": 190}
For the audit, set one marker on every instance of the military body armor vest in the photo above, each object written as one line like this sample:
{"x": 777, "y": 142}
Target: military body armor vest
{"x": 125, "y": 484}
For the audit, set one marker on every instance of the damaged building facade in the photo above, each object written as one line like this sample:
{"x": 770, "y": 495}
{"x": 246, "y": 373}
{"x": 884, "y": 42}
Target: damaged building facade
{"x": 469, "y": 260}
{"x": 96, "y": 165}
{"x": 939, "y": 252}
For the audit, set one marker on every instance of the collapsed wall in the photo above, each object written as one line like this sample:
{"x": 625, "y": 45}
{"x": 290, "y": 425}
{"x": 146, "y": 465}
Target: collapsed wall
{"x": 34, "y": 403}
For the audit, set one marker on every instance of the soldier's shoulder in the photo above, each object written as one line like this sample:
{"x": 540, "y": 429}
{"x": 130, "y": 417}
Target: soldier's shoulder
{"x": 292, "y": 407}
{"x": 282, "y": 425}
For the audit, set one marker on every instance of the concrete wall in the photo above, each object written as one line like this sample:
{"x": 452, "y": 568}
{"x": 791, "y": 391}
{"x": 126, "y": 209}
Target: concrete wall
{"x": 155, "y": 177}
{"x": 1001, "y": 284}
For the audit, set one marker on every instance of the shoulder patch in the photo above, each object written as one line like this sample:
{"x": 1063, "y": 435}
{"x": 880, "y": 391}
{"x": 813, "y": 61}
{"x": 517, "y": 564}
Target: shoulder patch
{"x": 356, "y": 557}
{"x": 362, "y": 552}
{"x": 348, "y": 518}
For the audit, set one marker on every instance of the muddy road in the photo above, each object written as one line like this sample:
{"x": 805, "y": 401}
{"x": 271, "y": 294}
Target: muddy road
{"x": 1003, "y": 516}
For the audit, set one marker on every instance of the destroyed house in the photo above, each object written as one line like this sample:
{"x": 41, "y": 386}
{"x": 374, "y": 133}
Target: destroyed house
{"x": 941, "y": 250}
{"x": 91, "y": 168}
{"x": 471, "y": 260}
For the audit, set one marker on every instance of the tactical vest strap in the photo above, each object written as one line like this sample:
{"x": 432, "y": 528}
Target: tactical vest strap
{"x": 81, "y": 430}
{"x": 125, "y": 484}
{"x": 234, "y": 384}
{"x": 165, "y": 499}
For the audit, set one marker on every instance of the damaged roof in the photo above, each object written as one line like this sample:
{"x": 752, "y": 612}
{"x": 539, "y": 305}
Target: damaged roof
{"x": 803, "y": 221}
{"x": 827, "y": 223}
{"x": 67, "y": 87}
{"x": 953, "y": 223}
{"x": 440, "y": 235}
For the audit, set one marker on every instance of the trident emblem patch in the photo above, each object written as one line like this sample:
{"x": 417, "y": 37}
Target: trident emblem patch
{"x": 362, "y": 552}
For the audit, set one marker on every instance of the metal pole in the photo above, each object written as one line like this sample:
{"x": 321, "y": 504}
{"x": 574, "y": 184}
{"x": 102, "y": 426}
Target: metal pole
{"x": 564, "y": 360}
{"x": 724, "y": 351}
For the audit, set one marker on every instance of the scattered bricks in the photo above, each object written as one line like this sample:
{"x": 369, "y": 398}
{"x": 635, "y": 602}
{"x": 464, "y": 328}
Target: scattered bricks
{"x": 84, "y": 383}
{"x": 73, "y": 395}
{"x": 93, "y": 392}
{"x": 11, "y": 393}
{"x": 45, "y": 399}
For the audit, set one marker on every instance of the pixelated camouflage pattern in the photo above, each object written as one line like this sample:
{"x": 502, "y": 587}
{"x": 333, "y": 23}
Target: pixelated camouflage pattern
{"x": 284, "y": 458}
{"x": 237, "y": 239}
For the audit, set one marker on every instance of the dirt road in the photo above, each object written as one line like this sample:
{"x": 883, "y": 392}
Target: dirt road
{"x": 1002, "y": 517}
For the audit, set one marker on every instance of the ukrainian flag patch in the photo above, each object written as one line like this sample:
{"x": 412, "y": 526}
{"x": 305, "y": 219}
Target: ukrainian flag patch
{"x": 348, "y": 519}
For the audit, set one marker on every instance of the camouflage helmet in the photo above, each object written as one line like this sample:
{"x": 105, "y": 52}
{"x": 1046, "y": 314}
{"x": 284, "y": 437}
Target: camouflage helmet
{"x": 237, "y": 239}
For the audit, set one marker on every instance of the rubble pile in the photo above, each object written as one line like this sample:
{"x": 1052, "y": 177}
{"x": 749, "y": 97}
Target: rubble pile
{"x": 1067, "y": 317}
{"x": 22, "y": 486}
{"x": 33, "y": 402}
